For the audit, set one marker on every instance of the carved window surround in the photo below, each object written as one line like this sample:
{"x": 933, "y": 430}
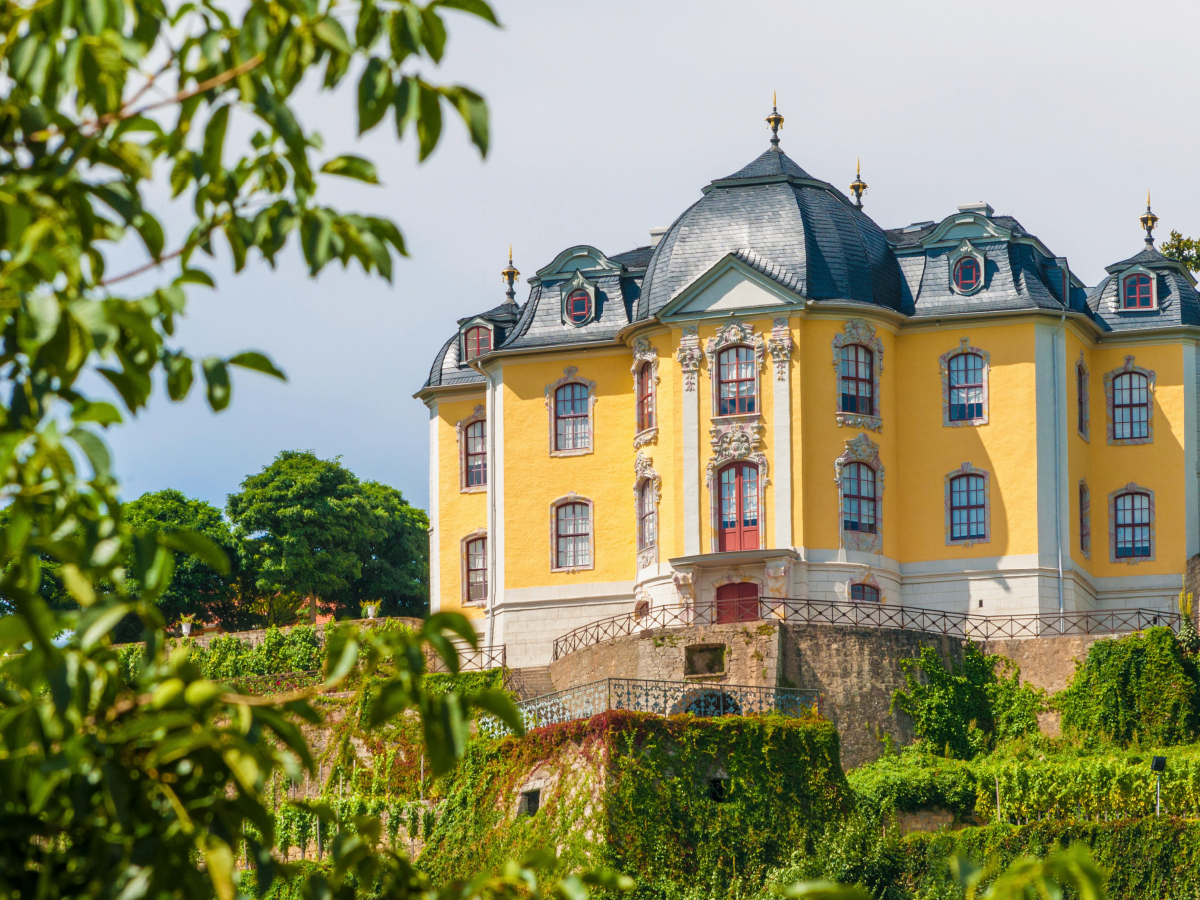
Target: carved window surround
{"x": 462, "y": 557}
{"x": 1130, "y": 488}
{"x": 864, "y": 450}
{"x": 965, "y": 249}
{"x": 571, "y": 376}
{"x": 644, "y": 353}
{"x": 1108, "y": 403}
{"x": 562, "y": 501}
{"x": 689, "y": 356}
{"x": 964, "y": 346}
{"x": 858, "y": 331}
{"x": 643, "y": 471}
{"x": 968, "y": 469}
{"x": 735, "y": 441}
{"x": 733, "y": 575}
{"x": 460, "y": 433}
{"x": 779, "y": 344}
{"x": 1085, "y": 519}
{"x": 1084, "y": 414}
{"x": 735, "y": 334}
{"x": 863, "y": 576}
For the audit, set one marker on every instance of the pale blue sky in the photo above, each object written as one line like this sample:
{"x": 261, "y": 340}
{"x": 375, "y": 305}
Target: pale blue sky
{"x": 608, "y": 118}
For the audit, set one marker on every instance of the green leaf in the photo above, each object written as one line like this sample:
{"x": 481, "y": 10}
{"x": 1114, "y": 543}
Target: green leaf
{"x": 341, "y": 655}
{"x": 433, "y": 34}
{"x": 216, "y": 375}
{"x": 474, "y": 7}
{"x": 94, "y": 449}
{"x": 195, "y": 276}
{"x": 219, "y": 860}
{"x": 259, "y": 362}
{"x": 500, "y": 705}
{"x": 429, "y": 119}
{"x": 214, "y": 141}
{"x": 180, "y": 374}
{"x": 375, "y": 91}
{"x": 99, "y": 621}
{"x": 474, "y": 112}
{"x": 352, "y": 167}
{"x": 101, "y": 413}
{"x": 193, "y": 543}
{"x": 369, "y": 25}
{"x": 824, "y": 890}
{"x": 329, "y": 32}
{"x": 405, "y": 103}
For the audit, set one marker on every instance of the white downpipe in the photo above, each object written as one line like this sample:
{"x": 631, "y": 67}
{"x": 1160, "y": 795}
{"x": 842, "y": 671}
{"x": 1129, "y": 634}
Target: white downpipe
{"x": 1057, "y": 463}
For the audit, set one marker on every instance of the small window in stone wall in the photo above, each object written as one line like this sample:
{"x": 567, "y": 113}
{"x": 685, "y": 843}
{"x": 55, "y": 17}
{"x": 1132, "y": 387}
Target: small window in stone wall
{"x": 704, "y": 659}
{"x": 529, "y": 803}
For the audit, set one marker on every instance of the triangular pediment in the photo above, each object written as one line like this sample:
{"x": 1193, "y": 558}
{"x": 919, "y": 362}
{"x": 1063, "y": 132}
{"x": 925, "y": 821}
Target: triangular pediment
{"x": 732, "y": 283}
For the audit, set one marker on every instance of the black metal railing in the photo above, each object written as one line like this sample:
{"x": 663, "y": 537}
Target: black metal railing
{"x": 664, "y": 698}
{"x": 866, "y": 615}
{"x": 470, "y": 659}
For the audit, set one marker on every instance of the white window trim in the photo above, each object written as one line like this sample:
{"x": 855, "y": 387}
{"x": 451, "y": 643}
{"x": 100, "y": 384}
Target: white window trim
{"x": 964, "y": 346}
{"x": 968, "y": 469}
{"x": 867, "y": 577}
{"x": 963, "y": 250}
{"x": 1085, "y": 515}
{"x": 1131, "y": 488}
{"x": 562, "y": 501}
{"x": 643, "y": 469}
{"x": 462, "y": 556}
{"x": 1083, "y": 427}
{"x": 736, "y": 442}
{"x": 858, "y": 331}
{"x": 1137, "y": 270}
{"x": 735, "y": 334}
{"x": 1110, "y": 402}
{"x": 568, "y": 287}
{"x": 862, "y": 450}
{"x": 460, "y": 430}
{"x": 571, "y": 376}
{"x": 470, "y": 326}
{"x": 644, "y": 354}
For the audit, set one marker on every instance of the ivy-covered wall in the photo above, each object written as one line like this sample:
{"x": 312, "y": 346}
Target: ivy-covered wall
{"x": 701, "y": 803}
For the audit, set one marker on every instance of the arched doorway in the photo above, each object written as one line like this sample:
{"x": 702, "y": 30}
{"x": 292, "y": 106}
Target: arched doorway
{"x": 737, "y": 603}
{"x": 738, "y": 523}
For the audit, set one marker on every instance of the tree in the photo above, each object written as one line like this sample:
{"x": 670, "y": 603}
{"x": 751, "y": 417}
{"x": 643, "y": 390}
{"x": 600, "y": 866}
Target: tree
{"x": 395, "y": 564}
{"x": 196, "y": 587}
{"x": 1184, "y": 249}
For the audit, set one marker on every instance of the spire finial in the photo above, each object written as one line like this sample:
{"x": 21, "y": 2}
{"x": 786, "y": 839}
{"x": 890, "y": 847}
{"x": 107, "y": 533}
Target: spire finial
{"x": 1148, "y": 220}
{"x": 509, "y": 274}
{"x": 858, "y": 187}
{"x": 775, "y": 120}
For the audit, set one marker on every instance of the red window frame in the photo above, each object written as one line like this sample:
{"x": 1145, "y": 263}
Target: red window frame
{"x": 966, "y": 387}
{"x": 572, "y": 536}
{"x": 1131, "y": 406}
{"x": 968, "y": 508}
{"x": 476, "y": 454}
{"x": 476, "y": 552}
{"x": 1137, "y": 292}
{"x": 739, "y": 513}
{"x": 864, "y": 593}
{"x": 579, "y": 306}
{"x": 856, "y": 380}
{"x": 736, "y": 382}
{"x": 967, "y": 273}
{"x": 478, "y": 341}
{"x": 645, "y": 397}
{"x": 737, "y": 602}
{"x": 858, "y": 499}
{"x": 1132, "y": 512}
{"x": 647, "y": 516}
{"x": 572, "y": 427}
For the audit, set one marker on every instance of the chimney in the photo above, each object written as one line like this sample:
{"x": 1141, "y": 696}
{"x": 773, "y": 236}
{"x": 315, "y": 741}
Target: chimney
{"x": 977, "y": 207}
{"x": 656, "y": 235}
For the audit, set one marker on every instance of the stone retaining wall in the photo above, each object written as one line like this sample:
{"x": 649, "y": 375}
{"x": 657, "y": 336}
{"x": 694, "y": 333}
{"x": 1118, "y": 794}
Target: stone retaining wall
{"x": 256, "y": 636}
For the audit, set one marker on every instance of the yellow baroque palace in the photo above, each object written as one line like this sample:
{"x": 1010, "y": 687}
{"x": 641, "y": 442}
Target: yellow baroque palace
{"x": 779, "y": 398}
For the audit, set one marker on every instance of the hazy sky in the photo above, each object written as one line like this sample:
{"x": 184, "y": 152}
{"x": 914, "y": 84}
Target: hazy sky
{"x": 608, "y": 118}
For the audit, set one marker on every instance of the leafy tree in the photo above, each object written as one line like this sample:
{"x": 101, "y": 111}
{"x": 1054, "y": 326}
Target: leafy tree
{"x": 196, "y": 588}
{"x": 395, "y": 563}
{"x": 1184, "y": 249}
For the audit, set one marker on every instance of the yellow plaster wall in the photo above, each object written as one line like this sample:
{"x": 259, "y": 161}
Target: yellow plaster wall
{"x": 928, "y": 450}
{"x": 1158, "y": 466}
{"x": 533, "y": 479}
{"x": 459, "y": 514}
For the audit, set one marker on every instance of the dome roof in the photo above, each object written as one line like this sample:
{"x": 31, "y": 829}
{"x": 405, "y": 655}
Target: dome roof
{"x": 801, "y": 231}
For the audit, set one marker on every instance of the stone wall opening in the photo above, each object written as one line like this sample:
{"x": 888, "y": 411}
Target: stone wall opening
{"x": 704, "y": 659}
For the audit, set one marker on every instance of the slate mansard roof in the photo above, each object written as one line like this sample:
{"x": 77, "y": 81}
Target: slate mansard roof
{"x": 808, "y": 237}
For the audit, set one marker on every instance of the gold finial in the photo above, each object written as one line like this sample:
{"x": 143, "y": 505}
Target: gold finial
{"x": 858, "y": 187}
{"x": 775, "y": 120}
{"x": 1148, "y": 220}
{"x": 509, "y": 274}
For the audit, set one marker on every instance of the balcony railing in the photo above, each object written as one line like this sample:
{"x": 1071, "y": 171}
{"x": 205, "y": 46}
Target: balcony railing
{"x": 664, "y": 698}
{"x": 866, "y": 615}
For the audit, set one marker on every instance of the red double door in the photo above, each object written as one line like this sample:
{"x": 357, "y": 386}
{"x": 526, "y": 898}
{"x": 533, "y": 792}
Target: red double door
{"x": 737, "y": 603}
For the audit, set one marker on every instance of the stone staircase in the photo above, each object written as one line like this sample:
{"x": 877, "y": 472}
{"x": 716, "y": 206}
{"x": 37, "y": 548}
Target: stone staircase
{"x": 528, "y": 682}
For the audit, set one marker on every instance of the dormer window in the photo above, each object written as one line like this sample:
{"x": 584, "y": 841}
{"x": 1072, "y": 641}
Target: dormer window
{"x": 1138, "y": 292}
{"x": 477, "y": 341}
{"x": 967, "y": 274}
{"x": 579, "y": 307}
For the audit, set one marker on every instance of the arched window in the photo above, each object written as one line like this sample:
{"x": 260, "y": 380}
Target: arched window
{"x": 968, "y": 508}
{"x": 1085, "y": 520}
{"x": 739, "y": 507}
{"x": 1081, "y": 399}
{"x": 967, "y": 274}
{"x": 478, "y": 341}
{"x": 573, "y": 535}
{"x": 647, "y": 516}
{"x": 1131, "y": 406}
{"x": 476, "y": 552}
{"x": 858, "y": 498}
{"x": 645, "y": 397}
{"x": 579, "y": 306}
{"x": 856, "y": 386}
{"x": 864, "y": 593}
{"x": 476, "y": 456}
{"x": 736, "y": 381}
{"x": 571, "y": 421}
{"x": 1132, "y": 520}
{"x": 1138, "y": 293}
{"x": 966, "y": 387}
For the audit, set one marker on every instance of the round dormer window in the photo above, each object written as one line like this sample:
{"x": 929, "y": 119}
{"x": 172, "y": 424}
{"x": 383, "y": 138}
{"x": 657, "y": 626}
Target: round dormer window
{"x": 579, "y": 306}
{"x": 967, "y": 274}
{"x": 1137, "y": 292}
